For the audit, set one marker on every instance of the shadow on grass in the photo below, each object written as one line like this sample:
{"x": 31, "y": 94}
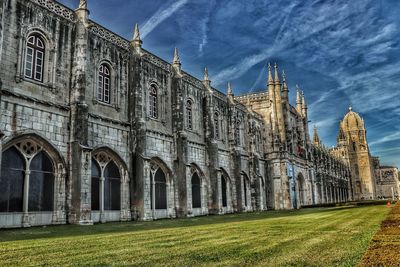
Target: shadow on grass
{"x": 59, "y": 231}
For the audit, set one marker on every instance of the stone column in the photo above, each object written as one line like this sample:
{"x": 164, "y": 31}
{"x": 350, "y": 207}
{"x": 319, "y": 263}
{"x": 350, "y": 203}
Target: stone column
{"x": 102, "y": 215}
{"x": 25, "y": 215}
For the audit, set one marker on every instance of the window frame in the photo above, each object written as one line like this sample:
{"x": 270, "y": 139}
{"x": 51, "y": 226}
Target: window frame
{"x": 189, "y": 114}
{"x": 104, "y": 74}
{"x": 153, "y": 101}
{"x": 37, "y": 47}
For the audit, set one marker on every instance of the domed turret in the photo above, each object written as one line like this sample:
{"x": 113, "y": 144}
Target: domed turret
{"x": 352, "y": 121}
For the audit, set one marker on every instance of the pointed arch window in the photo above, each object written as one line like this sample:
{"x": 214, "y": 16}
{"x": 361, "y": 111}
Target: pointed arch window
{"x": 34, "y": 58}
{"x": 106, "y": 183}
{"x": 153, "y": 102}
{"x": 196, "y": 191}
{"x": 26, "y": 163}
{"x": 223, "y": 191}
{"x": 104, "y": 88}
{"x": 189, "y": 114}
{"x": 158, "y": 188}
{"x": 216, "y": 125}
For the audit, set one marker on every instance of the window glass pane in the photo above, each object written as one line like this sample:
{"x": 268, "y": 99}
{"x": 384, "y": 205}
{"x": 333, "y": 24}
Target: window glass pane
{"x": 112, "y": 188}
{"x": 160, "y": 190}
{"x": 12, "y": 181}
{"x": 223, "y": 187}
{"x": 196, "y": 191}
{"x": 31, "y": 40}
{"x": 39, "y": 43}
{"x": 95, "y": 188}
{"x": 41, "y": 183}
{"x": 28, "y": 62}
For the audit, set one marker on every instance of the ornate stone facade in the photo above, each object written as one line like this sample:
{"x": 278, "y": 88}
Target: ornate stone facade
{"x": 95, "y": 128}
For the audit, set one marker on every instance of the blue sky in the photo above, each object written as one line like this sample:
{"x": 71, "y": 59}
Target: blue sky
{"x": 340, "y": 52}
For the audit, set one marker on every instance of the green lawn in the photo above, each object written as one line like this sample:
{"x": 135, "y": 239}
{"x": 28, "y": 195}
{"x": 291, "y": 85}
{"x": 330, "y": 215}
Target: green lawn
{"x": 307, "y": 237}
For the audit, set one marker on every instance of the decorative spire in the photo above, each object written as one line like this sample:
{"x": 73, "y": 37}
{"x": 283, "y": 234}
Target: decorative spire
{"x": 316, "y": 139}
{"x": 285, "y": 88}
{"x": 230, "y": 92}
{"x": 206, "y": 80}
{"x": 298, "y": 96}
{"x": 136, "y": 36}
{"x": 350, "y": 108}
{"x": 276, "y": 73}
{"x": 270, "y": 80}
{"x": 176, "y": 63}
{"x": 304, "y": 105}
{"x": 206, "y": 74}
{"x": 82, "y": 4}
{"x": 176, "y": 57}
{"x": 298, "y": 100}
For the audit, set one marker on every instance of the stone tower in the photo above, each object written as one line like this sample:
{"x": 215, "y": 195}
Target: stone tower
{"x": 352, "y": 137}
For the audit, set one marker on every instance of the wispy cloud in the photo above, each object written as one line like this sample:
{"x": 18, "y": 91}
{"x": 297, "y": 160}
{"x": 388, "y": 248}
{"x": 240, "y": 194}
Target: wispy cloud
{"x": 162, "y": 14}
{"x": 387, "y": 138}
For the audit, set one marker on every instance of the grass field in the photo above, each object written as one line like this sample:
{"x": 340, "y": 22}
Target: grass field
{"x": 308, "y": 237}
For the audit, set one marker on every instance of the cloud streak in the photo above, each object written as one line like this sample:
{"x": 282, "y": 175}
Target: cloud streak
{"x": 161, "y": 15}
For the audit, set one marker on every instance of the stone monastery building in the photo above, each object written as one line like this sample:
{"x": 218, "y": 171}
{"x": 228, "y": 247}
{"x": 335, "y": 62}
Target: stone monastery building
{"x": 95, "y": 128}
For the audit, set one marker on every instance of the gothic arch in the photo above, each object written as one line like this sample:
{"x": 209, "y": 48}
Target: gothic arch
{"x": 38, "y": 139}
{"x": 246, "y": 189}
{"x": 302, "y": 189}
{"x": 199, "y": 191}
{"x": 161, "y": 186}
{"x": 226, "y": 190}
{"x": 43, "y": 177}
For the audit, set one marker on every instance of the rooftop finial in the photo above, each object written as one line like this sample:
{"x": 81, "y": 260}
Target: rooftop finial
{"x": 283, "y": 75}
{"x": 83, "y": 4}
{"x": 206, "y": 74}
{"x": 136, "y": 36}
{"x": 350, "y": 108}
{"x": 270, "y": 80}
{"x": 276, "y": 72}
{"x": 230, "y": 92}
{"x": 176, "y": 57}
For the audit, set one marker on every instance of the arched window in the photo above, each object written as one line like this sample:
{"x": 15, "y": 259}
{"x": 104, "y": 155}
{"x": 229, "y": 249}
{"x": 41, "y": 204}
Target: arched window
{"x": 106, "y": 183}
{"x": 196, "y": 191}
{"x": 189, "y": 115}
{"x": 13, "y": 177}
{"x": 153, "y": 104}
{"x": 103, "y": 89}
{"x": 223, "y": 191}
{"x": 112, "y": 187}
{"x": 12, "y": 181}
{"x": 160, "y": 190}
{"x": 216, "y": 125}
{"x": 41, "y": 183}
{"x": 34, "y": 59}
{"x": 96, "y": 174}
